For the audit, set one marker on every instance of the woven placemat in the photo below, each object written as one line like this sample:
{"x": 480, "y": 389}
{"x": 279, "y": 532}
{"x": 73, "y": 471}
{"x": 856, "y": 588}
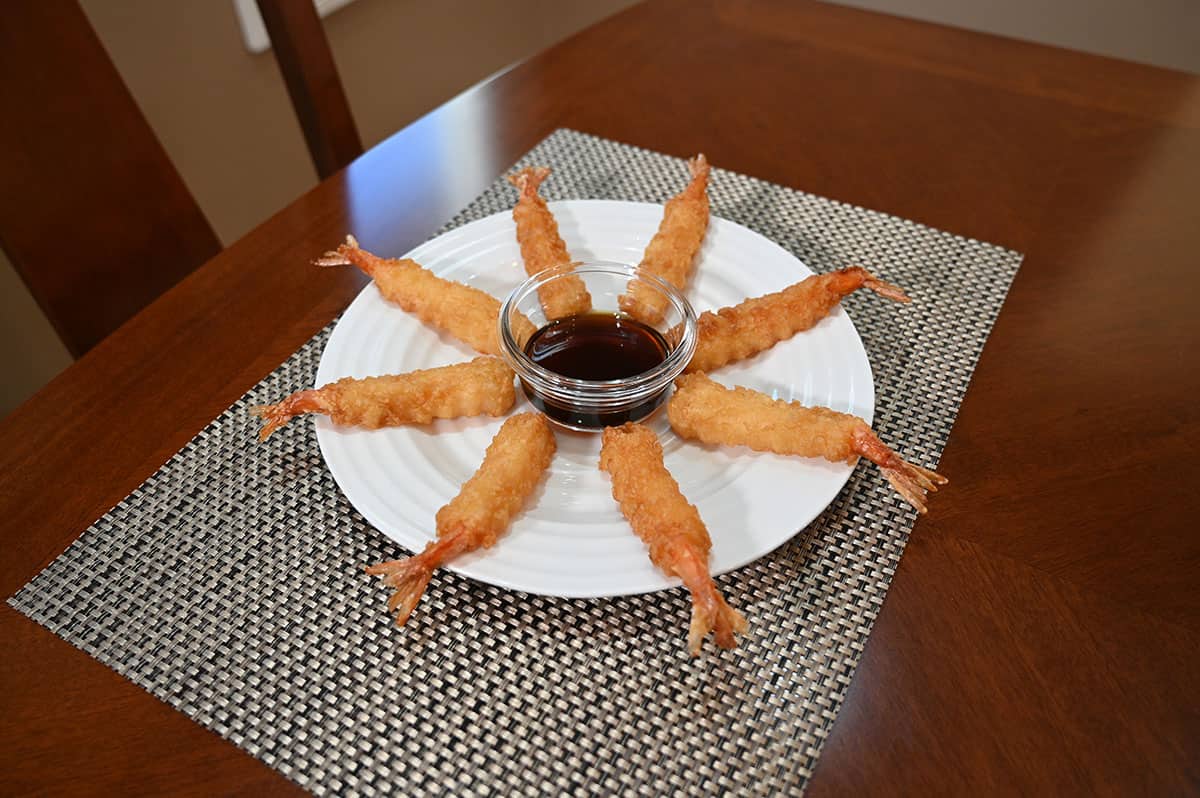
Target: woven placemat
{"x": 230, "y": 583}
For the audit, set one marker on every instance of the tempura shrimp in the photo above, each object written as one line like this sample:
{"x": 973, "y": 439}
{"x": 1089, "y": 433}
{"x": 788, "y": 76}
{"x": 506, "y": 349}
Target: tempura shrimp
{"x": 757, "y": 324}
{"x": 704, "y": 410}
{"x": 480, "y": 513}
{"x": 483, "y": 386}
{"x": 672, "y": 252}
{"x": 542, "y": 248}
{"x": 662, "y": 517}
{"x": 467, "y": 313}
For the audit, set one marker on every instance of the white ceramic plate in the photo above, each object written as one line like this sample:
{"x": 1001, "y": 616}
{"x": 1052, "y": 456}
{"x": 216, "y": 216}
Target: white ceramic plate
{"x": 572, "y": 540}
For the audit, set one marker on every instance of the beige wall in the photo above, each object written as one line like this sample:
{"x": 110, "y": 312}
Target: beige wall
{"x": 30, "y": 351}
{"x": 1163, "y": 33}
{"x": 224, "y": 117}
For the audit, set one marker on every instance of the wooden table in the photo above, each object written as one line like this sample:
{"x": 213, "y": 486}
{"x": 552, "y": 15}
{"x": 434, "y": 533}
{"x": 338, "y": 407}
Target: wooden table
{"x": 1040, "y": 631}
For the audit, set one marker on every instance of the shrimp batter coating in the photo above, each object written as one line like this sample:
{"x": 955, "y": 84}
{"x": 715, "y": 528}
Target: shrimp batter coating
{"x": 660, "y": 515}
{"x": 467, "y": 313}
{"x": 706, "y": 411}
{"x": 481, "y": 512}
{"x": 757, "y": 324}
{"x": 542, "y": 248}
{"x": 483, "y": 386}
{"x": 672, "y": 252}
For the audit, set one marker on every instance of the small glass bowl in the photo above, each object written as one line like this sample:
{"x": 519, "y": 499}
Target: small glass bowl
{"x": 591, "y": 405}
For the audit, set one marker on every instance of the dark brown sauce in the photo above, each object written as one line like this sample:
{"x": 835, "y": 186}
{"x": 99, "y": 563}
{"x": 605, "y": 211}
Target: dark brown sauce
{"x": 596, "y": 346}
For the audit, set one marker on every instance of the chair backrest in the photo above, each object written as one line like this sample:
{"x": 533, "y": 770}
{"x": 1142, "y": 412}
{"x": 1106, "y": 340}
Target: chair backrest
{"x": 302, "y": 52}
{"x": 93, "y": 214}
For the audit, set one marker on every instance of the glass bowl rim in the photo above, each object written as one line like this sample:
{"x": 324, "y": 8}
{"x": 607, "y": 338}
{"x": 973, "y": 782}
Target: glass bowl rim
{"x": 671, "y": 367}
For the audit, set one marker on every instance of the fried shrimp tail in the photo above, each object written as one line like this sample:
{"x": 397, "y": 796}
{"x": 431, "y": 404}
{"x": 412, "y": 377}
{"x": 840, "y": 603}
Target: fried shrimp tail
{"x": 757, "y": 324}
{"x": 409, "y": 577}
{"x": 672, "y": 252}
{"x": 481, "y": 512}
{"x": 660, "y": 515}
{"x": 483, "y": 386}
{"x": 464, "y": 312}
{"x": 542, "y": 248}
{"x": 704, "y": 410}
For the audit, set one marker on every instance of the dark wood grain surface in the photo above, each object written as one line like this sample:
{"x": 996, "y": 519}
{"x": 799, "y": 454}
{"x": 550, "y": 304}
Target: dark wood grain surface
{"x": 1040, "y": 633}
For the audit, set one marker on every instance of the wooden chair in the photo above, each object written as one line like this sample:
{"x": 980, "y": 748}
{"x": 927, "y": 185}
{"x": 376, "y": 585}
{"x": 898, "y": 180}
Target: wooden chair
{"x": 303, "y": 54}
{"x": 93, "y": 214}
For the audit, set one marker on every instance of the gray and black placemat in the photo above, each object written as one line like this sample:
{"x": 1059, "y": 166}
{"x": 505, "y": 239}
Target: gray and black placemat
{"x": 230, "y": 583}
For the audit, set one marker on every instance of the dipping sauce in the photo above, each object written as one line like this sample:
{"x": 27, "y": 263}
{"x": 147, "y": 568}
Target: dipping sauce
{"x": 596, "y": 346}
